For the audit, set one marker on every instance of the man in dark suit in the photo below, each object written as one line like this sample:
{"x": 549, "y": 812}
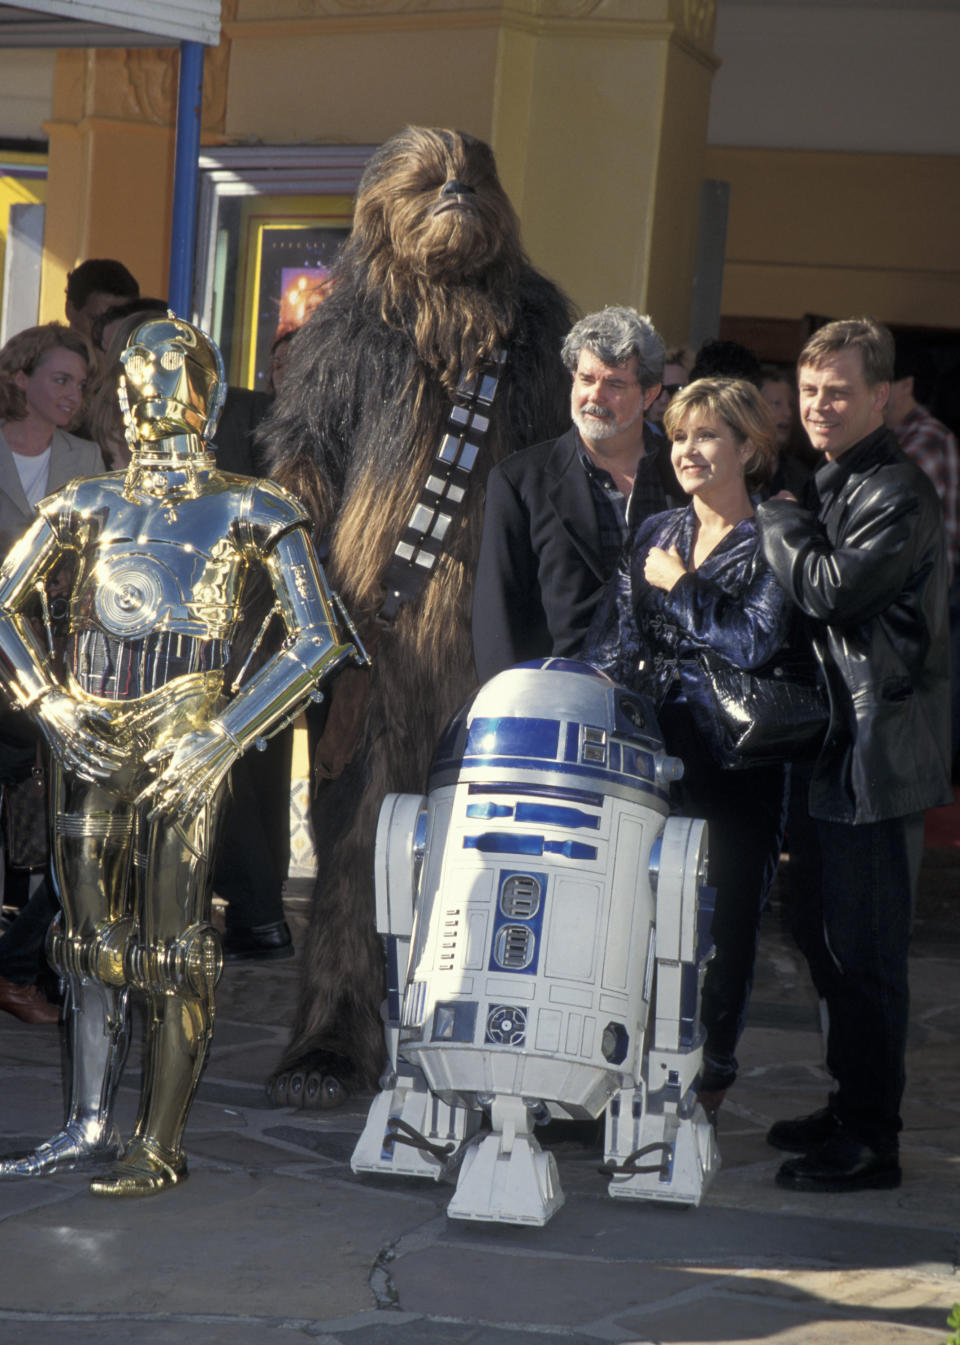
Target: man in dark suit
{"x": 557, "y": 514}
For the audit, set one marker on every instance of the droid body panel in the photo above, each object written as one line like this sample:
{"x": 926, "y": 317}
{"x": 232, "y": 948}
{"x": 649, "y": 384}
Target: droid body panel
{"x": 545, "y": 919}
{"x": 144, "y": 716}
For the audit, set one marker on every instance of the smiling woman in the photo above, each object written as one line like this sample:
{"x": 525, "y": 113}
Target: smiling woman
{"x": 43, "y": 378}
{"x": 53, "y": 393}
{"x": 43, "y": 375}
{"x": 694, "y": 583}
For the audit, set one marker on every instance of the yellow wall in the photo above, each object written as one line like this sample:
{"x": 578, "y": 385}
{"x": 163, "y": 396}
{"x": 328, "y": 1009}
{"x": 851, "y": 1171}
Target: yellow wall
{"x": 592, "y": 117}
{"x": 293, "y": 81}
{"x": 597, "y": 114}
{"x": 838, "y": 234}
{"x": 86, "y": 165}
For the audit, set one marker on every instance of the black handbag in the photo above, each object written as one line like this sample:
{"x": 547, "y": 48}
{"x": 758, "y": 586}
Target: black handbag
{"x": 763, "y": 716}
{"x": 26, "y": 842}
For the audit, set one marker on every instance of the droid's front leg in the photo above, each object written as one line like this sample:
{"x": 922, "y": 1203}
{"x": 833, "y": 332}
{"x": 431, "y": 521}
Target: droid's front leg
{"x": 659, "y": 1144}
{"x": 507, "y": 1177}
{"x": 409, "y": 1131}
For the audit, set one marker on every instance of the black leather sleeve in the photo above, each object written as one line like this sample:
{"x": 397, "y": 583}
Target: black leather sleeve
{"x": 858, "y": 576}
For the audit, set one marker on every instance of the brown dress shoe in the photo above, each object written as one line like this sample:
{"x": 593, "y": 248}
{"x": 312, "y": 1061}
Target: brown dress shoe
{"x": 27, "y": 1002}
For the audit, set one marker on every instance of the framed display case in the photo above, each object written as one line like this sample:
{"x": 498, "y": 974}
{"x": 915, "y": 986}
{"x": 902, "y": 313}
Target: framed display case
{"x": 271, "y": 222}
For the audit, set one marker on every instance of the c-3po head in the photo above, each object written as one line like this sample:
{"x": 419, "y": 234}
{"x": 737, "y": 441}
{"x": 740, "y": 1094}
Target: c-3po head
{"x": 172, "y": 388}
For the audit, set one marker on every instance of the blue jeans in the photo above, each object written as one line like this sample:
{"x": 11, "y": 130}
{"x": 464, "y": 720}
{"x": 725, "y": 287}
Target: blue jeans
{"x": 855, "y": 934}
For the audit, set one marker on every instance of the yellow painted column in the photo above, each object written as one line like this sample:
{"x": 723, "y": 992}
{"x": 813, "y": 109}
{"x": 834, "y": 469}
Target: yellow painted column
{"x": 111, "y": 136}
{"x": 600, "y": 125}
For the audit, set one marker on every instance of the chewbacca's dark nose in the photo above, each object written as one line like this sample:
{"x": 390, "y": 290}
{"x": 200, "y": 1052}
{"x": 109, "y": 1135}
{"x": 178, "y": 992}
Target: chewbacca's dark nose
{"x": 454, "y": 187}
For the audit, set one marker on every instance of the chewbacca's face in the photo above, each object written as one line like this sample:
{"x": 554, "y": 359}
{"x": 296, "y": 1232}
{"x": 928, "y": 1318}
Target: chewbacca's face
{"x": 433, "y": 201}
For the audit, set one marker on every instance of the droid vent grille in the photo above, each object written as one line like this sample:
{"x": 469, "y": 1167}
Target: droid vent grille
{"x": 448, "y": 940}
{"x": 520, "y": 897}
{"x": 514, "y": 947}
{"x": 506, "y": 1025}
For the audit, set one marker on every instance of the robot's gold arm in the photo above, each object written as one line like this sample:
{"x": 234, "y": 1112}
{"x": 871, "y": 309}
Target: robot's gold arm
{"x": 71, "y": 728}
{"x": 312, "y": 651}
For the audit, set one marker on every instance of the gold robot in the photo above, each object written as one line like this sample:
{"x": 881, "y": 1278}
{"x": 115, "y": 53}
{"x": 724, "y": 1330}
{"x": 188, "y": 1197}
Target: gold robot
{"x": 144, "y": 718}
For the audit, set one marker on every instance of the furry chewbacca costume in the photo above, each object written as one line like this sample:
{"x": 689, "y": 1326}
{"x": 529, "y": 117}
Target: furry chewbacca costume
{"x": 432, "y": 278}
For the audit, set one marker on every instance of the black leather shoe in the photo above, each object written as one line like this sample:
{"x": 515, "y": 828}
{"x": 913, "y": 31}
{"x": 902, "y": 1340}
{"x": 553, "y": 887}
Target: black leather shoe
{"x": 841, "y": 1164}
{"x": 804, "y": 1133}
{"x": 261, "y": 941}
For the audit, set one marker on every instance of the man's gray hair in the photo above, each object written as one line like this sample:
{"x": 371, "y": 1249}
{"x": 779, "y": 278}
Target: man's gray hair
{"x": 612, "y": 336}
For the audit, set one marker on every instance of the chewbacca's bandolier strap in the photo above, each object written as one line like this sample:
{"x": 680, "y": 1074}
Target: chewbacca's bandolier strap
{"x": 422, "y": 540}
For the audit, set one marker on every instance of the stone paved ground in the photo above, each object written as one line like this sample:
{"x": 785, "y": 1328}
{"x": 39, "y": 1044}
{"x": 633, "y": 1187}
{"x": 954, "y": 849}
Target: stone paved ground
{"x": 273, "y": 1239}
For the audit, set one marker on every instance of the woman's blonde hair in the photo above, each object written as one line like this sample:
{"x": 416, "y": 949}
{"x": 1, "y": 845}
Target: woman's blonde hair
{"x": 741, "y": 406}
{"x": 24, "y": 351}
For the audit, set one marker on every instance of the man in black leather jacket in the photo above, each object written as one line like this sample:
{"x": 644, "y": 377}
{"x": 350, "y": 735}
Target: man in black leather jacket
{"x": 866, "y": 563}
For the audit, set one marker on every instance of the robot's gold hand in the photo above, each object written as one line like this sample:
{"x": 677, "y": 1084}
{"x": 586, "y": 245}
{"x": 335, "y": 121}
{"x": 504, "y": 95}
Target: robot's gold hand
{"x": 75, "y": 735}
{"x": 171, "y": 710}
{"x": 189, "y": 770}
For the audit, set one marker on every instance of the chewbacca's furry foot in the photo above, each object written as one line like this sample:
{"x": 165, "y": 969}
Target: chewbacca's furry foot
{"x": 278, "y": 1089}
{"x": 323, "y": 1091}
{"x": 313, "y": 1090}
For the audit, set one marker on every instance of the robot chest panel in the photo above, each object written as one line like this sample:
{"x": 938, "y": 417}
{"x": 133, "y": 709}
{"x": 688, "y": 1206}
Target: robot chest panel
{"x": 145, "y": 571}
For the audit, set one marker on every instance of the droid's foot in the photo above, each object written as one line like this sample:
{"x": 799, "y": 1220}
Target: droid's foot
{"x": 67, "y": 1151}
{"x": 512, "y": 1184}
{"x": 142, "y": 1171}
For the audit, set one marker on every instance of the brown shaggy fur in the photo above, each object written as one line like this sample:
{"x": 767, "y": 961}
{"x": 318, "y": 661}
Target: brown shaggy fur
{"x": 433, "y": 277}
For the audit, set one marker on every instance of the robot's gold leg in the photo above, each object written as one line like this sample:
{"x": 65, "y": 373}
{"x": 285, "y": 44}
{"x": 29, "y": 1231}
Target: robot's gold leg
{"x": 87, "y": 945}
{"x": 97, "y": 1040}
{"x": 179, "y": 1031}
{"x": 177, "y": 969}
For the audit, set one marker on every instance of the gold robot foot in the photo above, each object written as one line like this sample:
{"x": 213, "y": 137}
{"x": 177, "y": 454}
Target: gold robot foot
{"x": 67, "y": 1151}
{"x": 142, "y": 1171}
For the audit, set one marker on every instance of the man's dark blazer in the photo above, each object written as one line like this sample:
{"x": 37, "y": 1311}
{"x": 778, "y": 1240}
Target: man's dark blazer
{"x": 234, "y": 443}
{"x": 540, "y": 571}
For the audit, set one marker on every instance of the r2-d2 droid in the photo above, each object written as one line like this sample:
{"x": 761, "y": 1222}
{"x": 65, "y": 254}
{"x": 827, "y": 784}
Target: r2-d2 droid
{"x": 546, "y": 927}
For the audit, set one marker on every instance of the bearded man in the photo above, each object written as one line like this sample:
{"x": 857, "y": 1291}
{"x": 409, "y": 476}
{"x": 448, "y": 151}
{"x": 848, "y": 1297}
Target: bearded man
{"x": 559, "y": 512}
{"x": 435, "y": 354}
